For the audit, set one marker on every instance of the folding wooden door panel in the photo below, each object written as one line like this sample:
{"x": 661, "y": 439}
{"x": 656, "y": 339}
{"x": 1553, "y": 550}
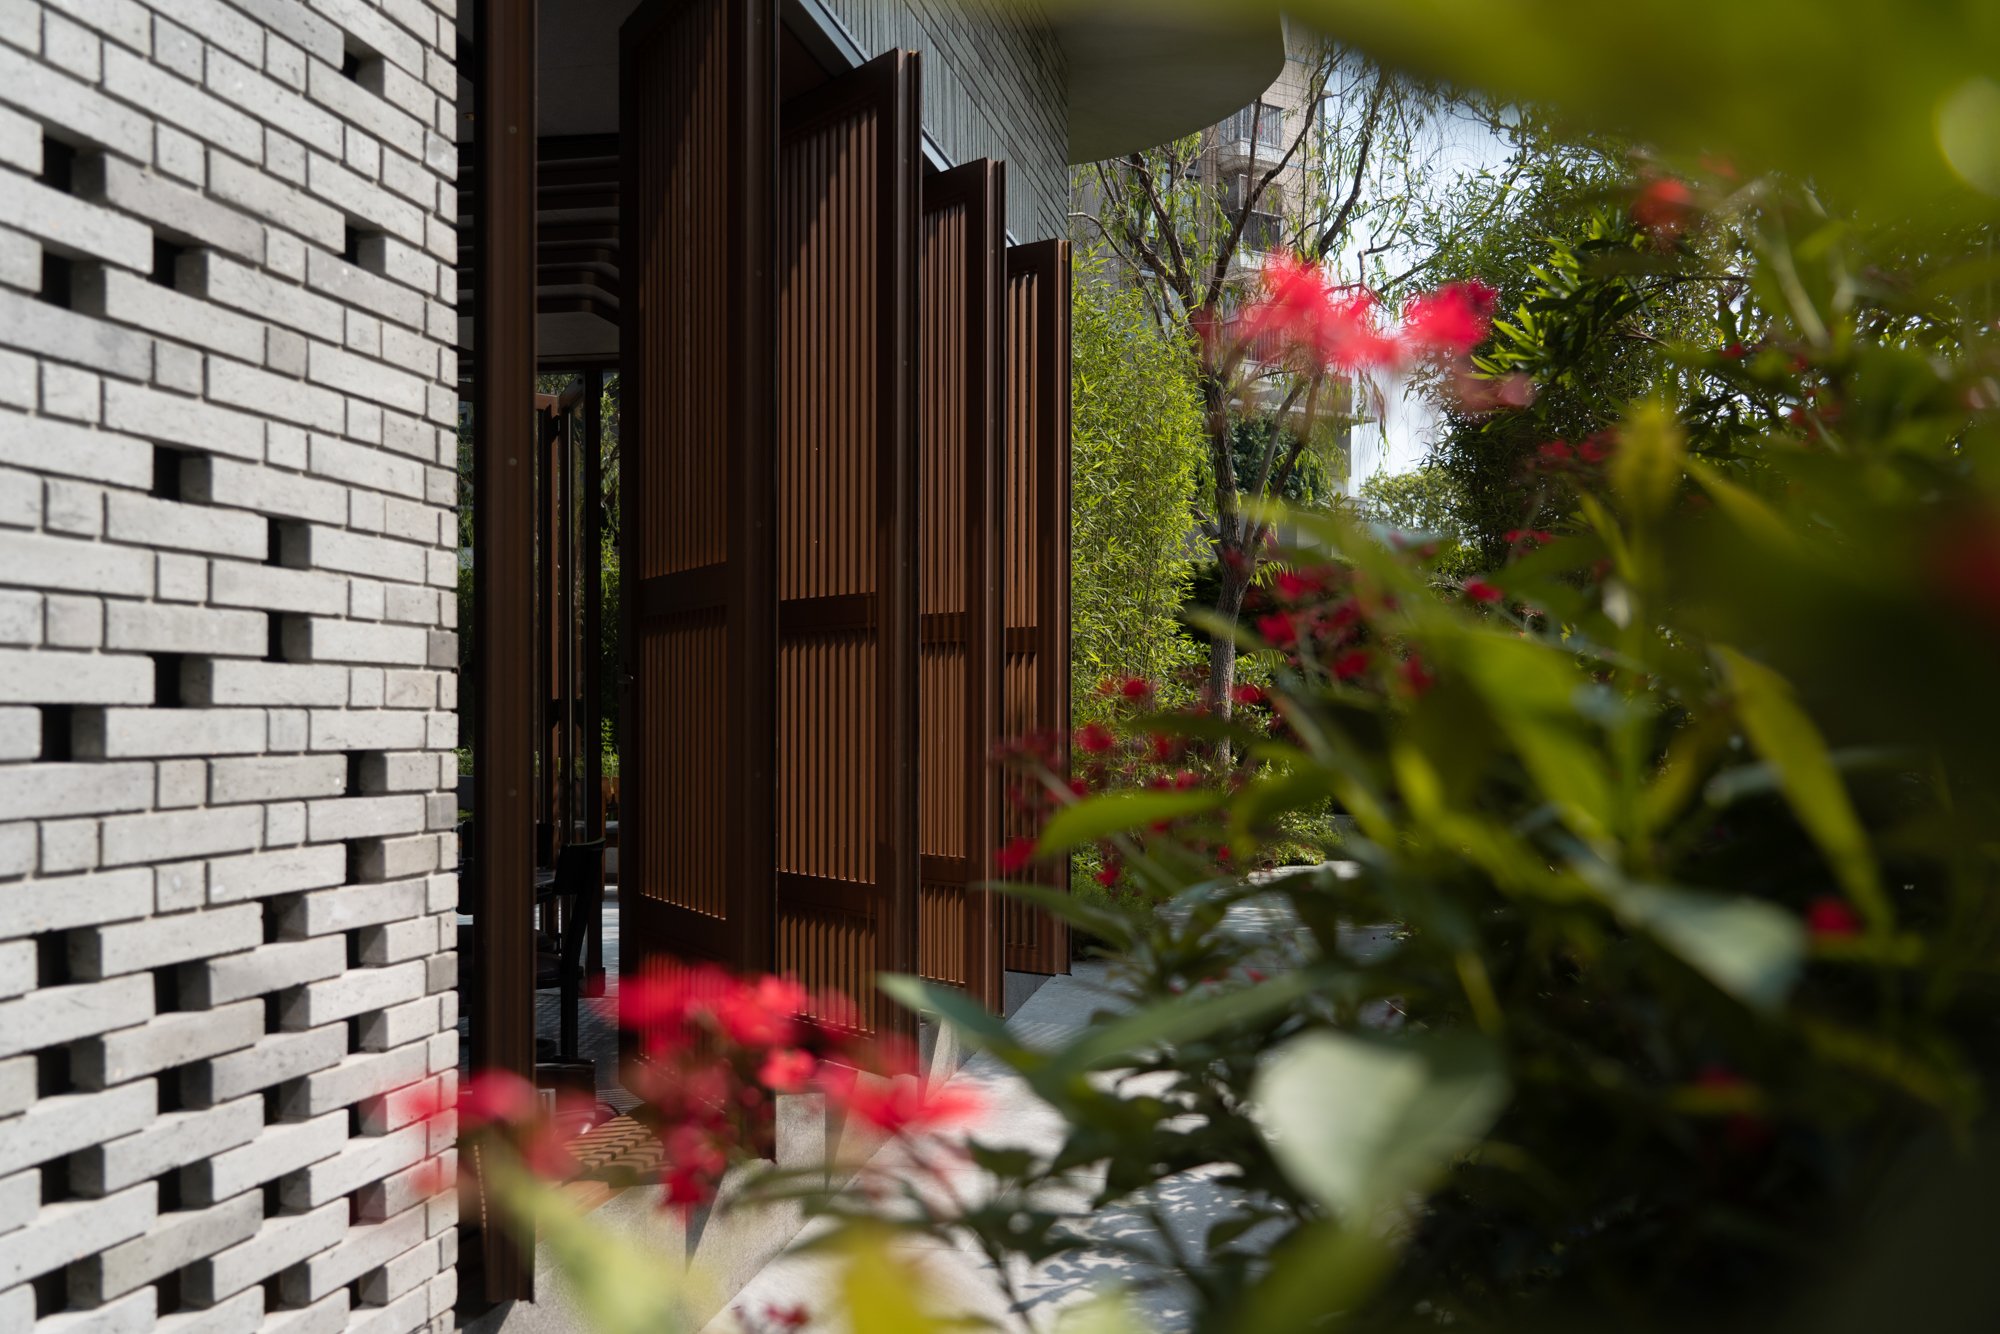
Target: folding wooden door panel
{"x": 846, "y": 837}
{"x": 698, "y": 352}
{"x": 1036, "y": 556}
{"x": 961, "y": 331}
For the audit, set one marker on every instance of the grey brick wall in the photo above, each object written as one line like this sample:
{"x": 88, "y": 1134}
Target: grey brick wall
{"x": 227, "y": 556}
{"x": 995, "y": 85}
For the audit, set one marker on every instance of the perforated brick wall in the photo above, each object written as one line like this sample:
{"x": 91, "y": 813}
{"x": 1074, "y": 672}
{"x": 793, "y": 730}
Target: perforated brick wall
{"x": 227, "y": 634}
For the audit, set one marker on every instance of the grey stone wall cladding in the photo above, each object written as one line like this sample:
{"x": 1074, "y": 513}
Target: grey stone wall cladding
{"x": 995, "y": 85}
{"x": 227, "y": 634}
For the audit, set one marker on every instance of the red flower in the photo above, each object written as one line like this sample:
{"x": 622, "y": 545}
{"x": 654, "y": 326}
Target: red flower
{"x": 1481, "y": 591}
{"x": 1015, "y": 856}
{"x": 1299, "y": 314}
{"x": 1734, "y": 352}
{"x": 1664, "y": 207}
{"x": 902, "y": 1106}
{"x": 1832, "y": 918}
{"x": 495, "y": 1097}
{"x": 1278, "y": 630}
{"x": 1594, "y": 450}
{"x": 786, "y": 1070}
{"x": 1294, "y": 586}
{"x": 1350, "y": 664}
{"x": 1135, "y": 687}
{"x": 1451, "y": 320}
{"x": 1095, "y": 739}
{"x": 1246, "y": 694}
{"x": 1555, "y": 452}
{"x": 1107, "y": 874}
{"x": 760, "y": 1013}
{"x": 1531, "y": 536}
{"x": 787, "y": 1317}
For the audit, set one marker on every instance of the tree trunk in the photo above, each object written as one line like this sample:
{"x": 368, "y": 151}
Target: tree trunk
{"x": 1222, "y": 650}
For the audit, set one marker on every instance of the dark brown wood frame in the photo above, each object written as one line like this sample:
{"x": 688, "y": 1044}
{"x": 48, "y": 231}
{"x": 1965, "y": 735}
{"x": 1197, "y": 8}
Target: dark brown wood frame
{"x": 505, "y": 449}
{"x": 888, "y": 89}
{"x": 1035, "y": 941}
{"x": 968, "y": 537}
{"x": 657, "y": 356}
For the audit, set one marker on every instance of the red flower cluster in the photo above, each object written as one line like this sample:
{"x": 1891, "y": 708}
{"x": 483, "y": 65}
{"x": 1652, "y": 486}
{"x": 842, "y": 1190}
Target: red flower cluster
{"x": 1302, "y": 318}
{"x": 1664, "y": 207}
{"x": 1832, "y": 918}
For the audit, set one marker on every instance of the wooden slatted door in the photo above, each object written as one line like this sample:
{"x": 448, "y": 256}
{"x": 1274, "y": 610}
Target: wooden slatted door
{"x": 846, "y": 837}
{"x": 1036, "y": 556}
{"x": 961, "y": 331}
{"x": 698, "y": 352}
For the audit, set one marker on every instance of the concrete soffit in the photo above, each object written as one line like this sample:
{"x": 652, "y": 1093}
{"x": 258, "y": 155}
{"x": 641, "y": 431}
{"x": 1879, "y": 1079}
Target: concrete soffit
{"x": 1145, "y": 72}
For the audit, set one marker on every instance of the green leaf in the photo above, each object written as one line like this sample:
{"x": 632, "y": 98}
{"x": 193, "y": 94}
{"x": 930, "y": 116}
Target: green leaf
{"x": 1360, "y": 1123}
{"x": 1183, "y": 1019}
{"x": 1100, "y": 817}
{"x": 1751, "y": 949}
{"x": 972, "y": 1020}
{"x": 1112, "y": 927}
{"x": 1789, "y": 743}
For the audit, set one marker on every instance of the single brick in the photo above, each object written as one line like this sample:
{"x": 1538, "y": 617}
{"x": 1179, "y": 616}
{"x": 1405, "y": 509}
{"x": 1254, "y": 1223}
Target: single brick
{"x": 236, "y": 878}
{"x": 74, "y": 789}
{"x": 276, "y": 778}
{"x": 213, "y": 481}
{"x": 52, "y": 677}
{"x": 275, "y": 588}
{"x": 58, "y": 903}
{"x": 145, "y": 521}
{"x": 393, "y": 942}
{"x": 178, "y": 835}
{"x": 151, "y": 628}
{"x": 31, "y": 560}
{"x": 351, "y": 729}
{"x": 364, "y": 817}
{"x": 313, "y": 546}
{"x": 118, "y": 734}
{"x": 398, "y": 1025}
{"x": 317, "y": 639}
{"x": 215, "y": 681}
{"x": 395, "y": 858}
{"x": 335, "y": 911}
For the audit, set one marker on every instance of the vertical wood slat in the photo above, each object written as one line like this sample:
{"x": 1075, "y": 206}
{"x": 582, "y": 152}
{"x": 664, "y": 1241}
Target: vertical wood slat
{"x": 505, "y": 449}
{"x": 1036, "y": 558}
{"x": 962, "y": 330}
{"x": 847, "y": 556}
{"x": 697, "y": 359}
